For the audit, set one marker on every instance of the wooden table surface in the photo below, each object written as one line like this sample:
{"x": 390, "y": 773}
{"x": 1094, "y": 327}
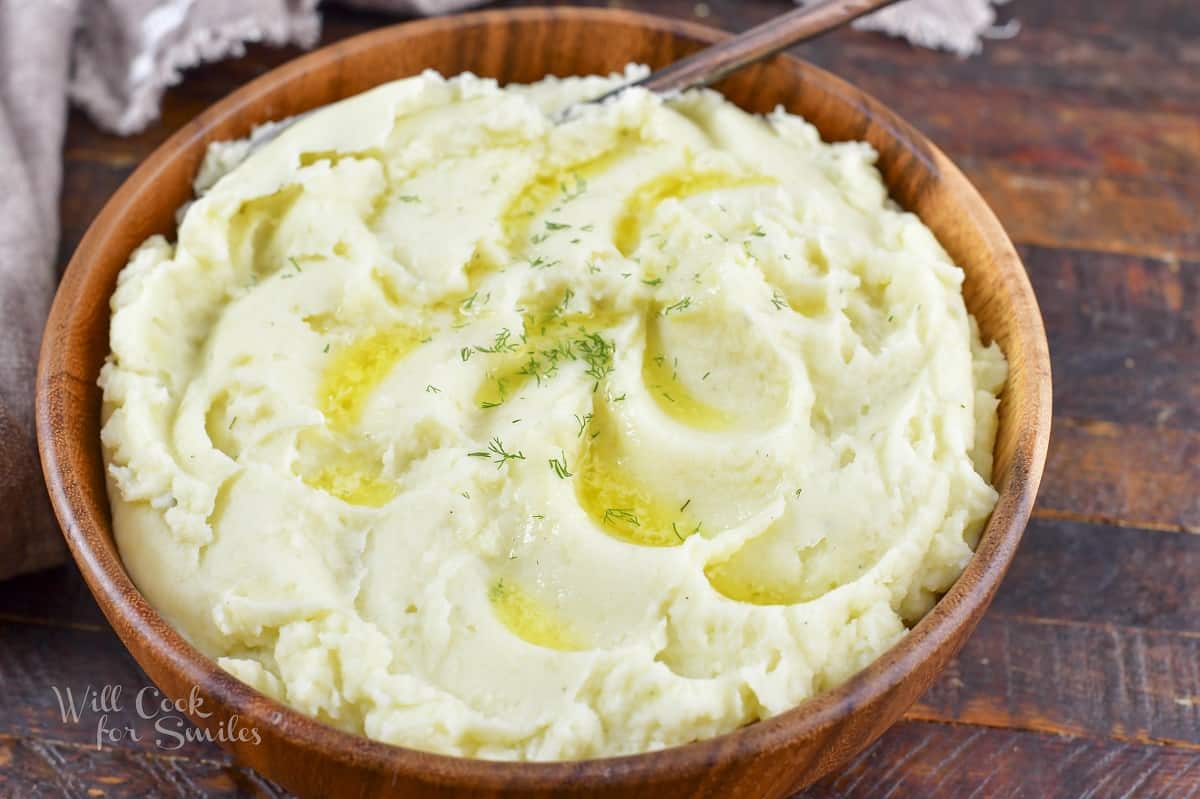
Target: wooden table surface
{"x": 1084, "y": 679}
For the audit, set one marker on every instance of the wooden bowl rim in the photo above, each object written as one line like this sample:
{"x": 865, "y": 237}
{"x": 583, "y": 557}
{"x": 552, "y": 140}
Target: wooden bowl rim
{"x": 133, "y": 617}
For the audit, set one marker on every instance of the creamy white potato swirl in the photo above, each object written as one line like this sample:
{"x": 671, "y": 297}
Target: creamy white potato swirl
{"x": 470, "y": 432}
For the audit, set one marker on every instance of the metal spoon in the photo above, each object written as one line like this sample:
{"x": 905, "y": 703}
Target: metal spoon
{"x": 713, "y": 63}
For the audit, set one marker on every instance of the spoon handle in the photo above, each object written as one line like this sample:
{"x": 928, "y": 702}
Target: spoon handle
{"x": 713, "y": 63}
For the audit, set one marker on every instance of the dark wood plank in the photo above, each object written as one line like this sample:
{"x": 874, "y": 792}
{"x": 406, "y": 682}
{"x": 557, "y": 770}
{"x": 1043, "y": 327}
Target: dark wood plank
{"x": 87, "y": 185}
{"x": 1094, "y": 631}
{"x": 38, "y": 665}
{"x": 1124, "y": 335}
{"x": 951, "y": 761}
{"x": 1124, "y": 338}
{"x": 1094, "y": 575}
{"x": 31, "y": 767}
{"x": 1101, "y": 680}
{"x": 1145, "y": 217}
{"x": 55, "y": 597}
{"x": 1129, "y": 475}
{"x": 1065, "y": 137}
{"x": 1138, "y": 56}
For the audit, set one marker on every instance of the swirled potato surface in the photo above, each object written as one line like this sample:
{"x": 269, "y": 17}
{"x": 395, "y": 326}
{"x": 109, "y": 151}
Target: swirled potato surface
{"x": 467, "y": 431}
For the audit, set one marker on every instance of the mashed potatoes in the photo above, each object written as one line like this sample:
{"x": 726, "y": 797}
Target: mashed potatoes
{"x": 469, "y": 432}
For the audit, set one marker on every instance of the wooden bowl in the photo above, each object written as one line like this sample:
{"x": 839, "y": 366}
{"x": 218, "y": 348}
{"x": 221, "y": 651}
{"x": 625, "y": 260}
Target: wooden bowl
{"x": 768, "y": 759}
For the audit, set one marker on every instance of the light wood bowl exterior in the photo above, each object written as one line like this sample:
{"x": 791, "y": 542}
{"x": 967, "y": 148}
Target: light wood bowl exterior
{"x": 768, "y": 759}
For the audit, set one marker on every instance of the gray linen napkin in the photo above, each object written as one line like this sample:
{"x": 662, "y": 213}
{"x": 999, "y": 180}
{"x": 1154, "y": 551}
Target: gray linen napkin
{"x": 115, "y": 58}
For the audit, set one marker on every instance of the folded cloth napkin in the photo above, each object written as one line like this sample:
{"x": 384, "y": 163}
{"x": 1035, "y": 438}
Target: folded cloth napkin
{"x": 115, "y": 58}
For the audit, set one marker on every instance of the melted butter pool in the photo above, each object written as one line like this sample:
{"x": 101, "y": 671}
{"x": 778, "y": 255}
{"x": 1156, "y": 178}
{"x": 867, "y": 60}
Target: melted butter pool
{"x": 531, "y": 620}
{"x": 356, "y": 370}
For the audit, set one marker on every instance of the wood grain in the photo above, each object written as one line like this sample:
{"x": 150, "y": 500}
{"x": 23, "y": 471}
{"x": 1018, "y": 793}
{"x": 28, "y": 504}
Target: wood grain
{"x": 34, "y": 767}
{"x": 951, "y": 761}
{"x": 39, "y": 666}
{"x": 1049, "y": 675}
{"x": 1124, "y": 334}
{"x": 1128, "y": 475}
{"x": 1095, "y": 574}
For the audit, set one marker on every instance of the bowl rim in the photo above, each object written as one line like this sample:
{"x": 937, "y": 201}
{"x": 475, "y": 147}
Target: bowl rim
{"x": 131, "y": 614}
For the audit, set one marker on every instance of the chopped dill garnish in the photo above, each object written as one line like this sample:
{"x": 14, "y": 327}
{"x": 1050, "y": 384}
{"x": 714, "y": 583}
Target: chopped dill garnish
{"x": 675, "y": 530}
{"x": 559, "y": 465}
{"x": 465, "y": 354}
{"x": 758, "y": 231}
{"x": 655, "y": 282}
{"x": 561, "y": 308}
{"x": 541, "y": 262}
{"x": 409, "y": 198}
{"x": 573, "y": 193}
{"x": 432, "y": 389}
{"x": 326, "y": 347}
{"x": 706, "y": 374}
{"x": 295, "y": 264}
{"x": 588, "y": 228}
{"x": 778, "y": 301}
{"x": 683, "y": 507}
{"x": 621, "y": 515}
{"x": 556, "y": 226}
{"x": 583, "y": 422}
{"x": 597, "y": 353}
{"x": 233, "y": 422}
{"x": 502, "y": 343}
{"x": 533, "y": 368}
{"x": 465, "y": 495}
{"x": 497, "y": 453}
{"x": 682, "y": 305}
